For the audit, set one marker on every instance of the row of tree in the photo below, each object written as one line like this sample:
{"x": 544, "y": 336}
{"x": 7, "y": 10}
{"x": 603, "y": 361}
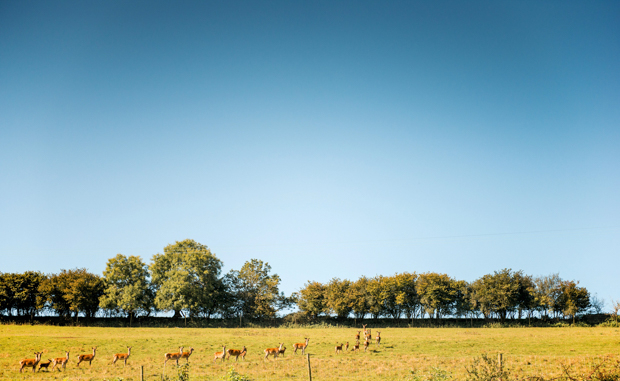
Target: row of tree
{"x": 503, "y": 294}
{"x": 187, "y": 280}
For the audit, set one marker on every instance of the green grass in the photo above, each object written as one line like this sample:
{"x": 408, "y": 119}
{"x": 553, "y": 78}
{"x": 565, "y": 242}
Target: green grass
{"x": 527, "y": 351}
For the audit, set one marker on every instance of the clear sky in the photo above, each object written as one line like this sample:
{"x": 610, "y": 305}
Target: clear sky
{"x": 328, "y": 138}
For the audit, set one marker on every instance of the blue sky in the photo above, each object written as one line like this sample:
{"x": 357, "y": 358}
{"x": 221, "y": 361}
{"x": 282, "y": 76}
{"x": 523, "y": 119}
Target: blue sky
{"x": 330, "y": 139}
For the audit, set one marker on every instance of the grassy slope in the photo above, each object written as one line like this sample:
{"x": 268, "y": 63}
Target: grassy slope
{"x": 527, "y": 350}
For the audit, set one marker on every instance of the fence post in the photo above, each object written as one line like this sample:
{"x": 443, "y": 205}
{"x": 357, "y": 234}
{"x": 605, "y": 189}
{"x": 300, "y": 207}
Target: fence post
{"x": 309, "y": 369}
{"x": 141, "y": 372}
{"x": 499, "y": 364}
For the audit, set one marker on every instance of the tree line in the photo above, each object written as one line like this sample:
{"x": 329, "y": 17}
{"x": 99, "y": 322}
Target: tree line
{"x": 187, "y": 281}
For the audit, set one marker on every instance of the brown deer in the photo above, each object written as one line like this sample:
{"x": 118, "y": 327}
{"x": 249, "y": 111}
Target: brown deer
{"x": 273, "y": 351}
{"x": 237, "y": 353}
{"x": 378, "y": 337}
{"x": 356, "y": 347}
{"x": 366, "y": 345}
{"x": 30, "y": 363}
{"x": 173, "y": 356}
{"x": 122, "y": 356}
{"x": 186, "y": 355}
{"x": 282, "y": 350}
{"x": 301, "y": 346}
{"x": 220, "y": 355}
{"x": 44, "y": 365}
{"x": 346, "y": 346}
{"x": 61, "y": 361}
{"x": 338, "y": 348}
{"x": 88, "y": 358}
{"x": 357, "y": 337}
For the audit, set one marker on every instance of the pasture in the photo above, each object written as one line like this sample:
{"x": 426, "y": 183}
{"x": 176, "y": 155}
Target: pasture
{"x": 526, "y": 351}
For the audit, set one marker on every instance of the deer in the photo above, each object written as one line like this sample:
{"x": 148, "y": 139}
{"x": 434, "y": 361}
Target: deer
{"x": 27, "y": 363}
{"x": 88, "y": 358}
{"x": 44, "y": 365}
{"x": 338, "y": 348}
{"x": 186, "y": 355}
{"x": 356, "y": 347}
{"x": 122, "y": 356}
{"x": 366, "y": 342}
{"x": 357, "y": 337}
{"x": 378, "y": 337}
{"x": 220, "y": 355}
{"x": 273, "y": 351}
{"x": 62, "y": 361}
{"x": 173, "y": 356}
{"x": 301, "y": 346}
{"x": 237, "y": 353}
{"x": 346, "y": 346}
{"x": 282, "y": 351}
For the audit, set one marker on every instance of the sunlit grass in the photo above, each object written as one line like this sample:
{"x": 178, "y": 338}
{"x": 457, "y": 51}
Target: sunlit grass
{"x": 527, "y": 351}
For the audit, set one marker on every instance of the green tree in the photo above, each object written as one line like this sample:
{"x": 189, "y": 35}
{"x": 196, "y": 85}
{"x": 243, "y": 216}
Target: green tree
{"x": 311, "y": 300}
{"x": 72, "y": 291}
{"x": 573, "y": 299}
{"x": 546, "y": 293}
{"x": 498, "y": 292}
{"x": 127, "y": 287}
{"x": 337, "y": 297}
{"x": 256, "y": 290}
{"x": 438, "y": 293}
{"x": 359, "y": 298}
{"x": 19, "y": 292}
{"x": 186, "y": 278}
{"x": 407, "y": 297}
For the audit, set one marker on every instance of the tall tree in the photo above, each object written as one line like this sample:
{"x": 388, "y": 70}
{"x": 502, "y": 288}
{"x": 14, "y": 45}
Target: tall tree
{"x": 337, "y": 299}
{"x": 407, "y": 297}
{"x": 186, "y": 278}
{"x": 127, "y": 287}
{"x": 19, "y": 292}
{"x": 573, "y": 299}
{"x": 256, "y": 290}
{"x": 359, "y": 298}
{"x": 311, "y": 300}
{"x": 72, "y": 291}
{"x": 438, "y": 293}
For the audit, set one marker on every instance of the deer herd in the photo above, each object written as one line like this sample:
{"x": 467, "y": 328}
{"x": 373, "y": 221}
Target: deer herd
{"x": 61, "y": 362}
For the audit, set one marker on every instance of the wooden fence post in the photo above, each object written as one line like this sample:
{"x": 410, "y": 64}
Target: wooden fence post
{"x": 309, "y": 369}
{"x": 141, "y": 372}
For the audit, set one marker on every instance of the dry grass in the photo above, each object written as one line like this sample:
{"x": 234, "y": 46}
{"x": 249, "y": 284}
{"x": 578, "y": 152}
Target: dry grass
{"x": 527, "y": 351}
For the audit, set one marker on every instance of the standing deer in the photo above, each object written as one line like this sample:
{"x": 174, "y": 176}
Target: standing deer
{"x": 44, "y": 365}
{"x": 346, "y": 346}
{"x": 173, "y": 356}
{"x": 186, "y": 355}
{"x": 88, "y": 358}
{"x": 378, "y": 337}
{"x": 62, "y": 361}
{"x": 237, "y": 353}
{"x": 301, "y": 346}
{"x": 122, "y": 356}
{"x": 221, "y": 355}
{"x": 30, "y": 363}
{"x": 282, "y": 350}
{"x": 356, "y": 347}
{"x": 273, "y": 351}
{"x": 357, "y": 337}
{"x": 338, "y": 348}
{"x": 366, "y": 345}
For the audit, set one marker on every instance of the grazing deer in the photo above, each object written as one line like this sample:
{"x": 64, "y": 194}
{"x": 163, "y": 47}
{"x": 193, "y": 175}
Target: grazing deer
{"x": 366, "y": 345}
{"x": 88, "y": 358}
{"x": 173, "y": 356}
{"x": 220, "y": 355}
{"x": 356, "y": 347}
{"x": 27, "y": 363}
{"x": 62, "y": 361}
{"x": 357, "y": 337}
{"x": 346, "y": 346}
{"x": 45, "y": 365}
{"x": 301, "y": 346}
{"x": 237, "y": 353}
{"x": 378, "y": 337}
{"x": 186, "y": 355}
{"x": 338, "y": 348}
{"x": 273, "y": 351}
{"x": 122, "y": 356}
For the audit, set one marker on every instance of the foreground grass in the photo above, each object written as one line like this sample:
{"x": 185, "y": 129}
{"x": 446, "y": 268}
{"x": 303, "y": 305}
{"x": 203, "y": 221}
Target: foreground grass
{"x": 527, "y": 351}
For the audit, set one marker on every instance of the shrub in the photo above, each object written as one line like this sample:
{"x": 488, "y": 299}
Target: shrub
{"x": 486, "y": 368}
{"x": 233, "y": 375}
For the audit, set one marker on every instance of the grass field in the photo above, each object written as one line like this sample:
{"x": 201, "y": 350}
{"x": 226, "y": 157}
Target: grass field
{"x": 526, "y": 351}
